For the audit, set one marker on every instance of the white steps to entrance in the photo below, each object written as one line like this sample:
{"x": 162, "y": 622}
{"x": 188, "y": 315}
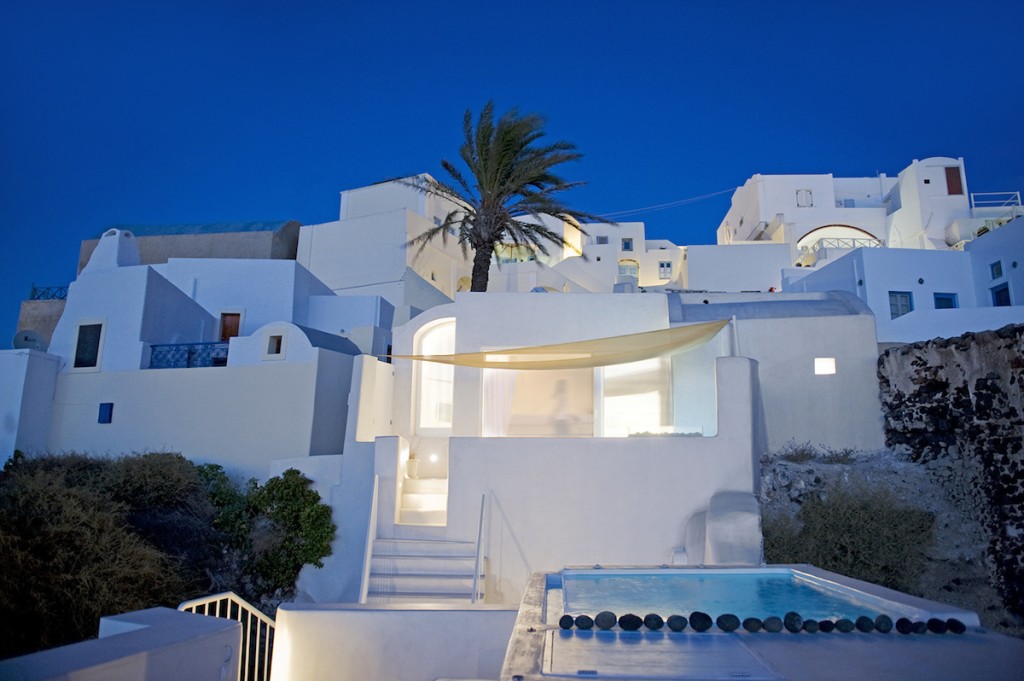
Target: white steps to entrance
{"x": 424, "y": 502}
{"x": 421, "y": 571}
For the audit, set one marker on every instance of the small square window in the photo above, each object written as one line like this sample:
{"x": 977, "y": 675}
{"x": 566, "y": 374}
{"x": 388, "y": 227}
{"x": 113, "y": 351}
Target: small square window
{"x": 106, "y": 412}
{"x": 274, "y": 345}
{"x": 946, "y": 301}
{"x": 927, "y": 181}
{"x": 996, "y": 268}
{"x": 824, "y": 366}
{"x": 627, "y": 244}
{"x": 600, "y": 240}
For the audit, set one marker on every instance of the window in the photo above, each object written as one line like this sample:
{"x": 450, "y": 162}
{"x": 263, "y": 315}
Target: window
{"x": 627, "y": 244}
{"x": 629, "y": 268}
{"x": 996, "y": 268}
{"x": 274, "y": 345}
{"x": 824, "y": 366}
{"x": 1001, "y": 296}
{"x": 900, "y": 303}
{"x": 106, "y": 412}
{"x": 804, "y": 198}
{"x": 87, "y": 349}
{"x": 954, "y": 185}
{"x": 665, "y": 269}
{"x": 601, "y": 240}
{"x": 437, "y": 381}
{"x": 946, "y": 301}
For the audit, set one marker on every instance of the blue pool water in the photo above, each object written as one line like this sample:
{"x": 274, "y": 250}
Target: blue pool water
{"x": 745, "y": 594}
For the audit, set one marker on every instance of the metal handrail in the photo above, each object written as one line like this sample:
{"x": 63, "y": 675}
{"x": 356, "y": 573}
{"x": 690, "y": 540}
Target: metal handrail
{"x": 479, "y": 544}
{"x": 188, "y": 355}
{"x": 832, "y": 242}
{"x": 371, "y": 535}
{"x": 257, "y": 631}
{"x": 48, "y": 293}
{"x": 997, "y": 200}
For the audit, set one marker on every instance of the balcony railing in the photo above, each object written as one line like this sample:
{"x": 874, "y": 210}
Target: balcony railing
{"x": 845, "y": 243}
{"x": 257, "y": 631}
{"x": 995, "y": 199}
{"x": 188, "y": 355}
{"x": 48, "y": 292}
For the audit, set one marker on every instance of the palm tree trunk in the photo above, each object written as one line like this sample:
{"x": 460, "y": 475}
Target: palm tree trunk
{"x": 481, "y": 266}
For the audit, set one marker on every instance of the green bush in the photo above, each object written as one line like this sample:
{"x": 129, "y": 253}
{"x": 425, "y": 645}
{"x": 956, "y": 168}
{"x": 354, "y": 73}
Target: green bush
{"x": 856, "y": 531}
{"x": 84, "y": 537}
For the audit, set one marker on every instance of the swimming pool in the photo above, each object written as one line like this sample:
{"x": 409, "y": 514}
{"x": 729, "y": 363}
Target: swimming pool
{"x": 549, "y": 641}
{"x": 747, "y": 593}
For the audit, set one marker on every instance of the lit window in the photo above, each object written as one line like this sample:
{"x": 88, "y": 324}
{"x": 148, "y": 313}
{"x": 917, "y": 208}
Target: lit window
{"x": 665, "y": 269}
{"x": 900, "y": 303}
{"x": 946, "y": 301}
{"x": 996, "y": 268}
{"x": 627, "y": 244}
{"x": 437, "y": 381}
{"x": 824, "y": 366}
{"x": 87, "y": 349}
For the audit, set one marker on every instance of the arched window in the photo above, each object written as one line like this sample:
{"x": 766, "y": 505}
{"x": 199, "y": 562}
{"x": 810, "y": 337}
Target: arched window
{"x": 838, "y": 236}
{"x": 437, "y": 381}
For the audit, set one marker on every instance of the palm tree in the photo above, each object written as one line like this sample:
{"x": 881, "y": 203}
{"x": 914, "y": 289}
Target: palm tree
{"x": 511, "y": 185}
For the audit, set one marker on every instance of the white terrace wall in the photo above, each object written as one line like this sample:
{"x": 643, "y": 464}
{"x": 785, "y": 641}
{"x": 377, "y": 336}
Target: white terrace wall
{"x": 239, "y": 417}
{"x": 333, "y": 642}
{"x": 27, "y": 380}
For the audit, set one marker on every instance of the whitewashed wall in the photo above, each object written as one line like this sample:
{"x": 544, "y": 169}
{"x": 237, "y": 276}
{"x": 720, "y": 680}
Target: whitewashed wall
{"x": 1006, "y": 246}
{"x": 239, "y": 417}
{"x": 355, "y": 643}
{"x": 27, "y": 380}
{"x": 737, "y": 267}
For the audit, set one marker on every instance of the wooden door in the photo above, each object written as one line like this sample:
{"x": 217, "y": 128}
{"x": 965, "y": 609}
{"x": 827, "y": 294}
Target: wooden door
{"x": 229, "y": 323}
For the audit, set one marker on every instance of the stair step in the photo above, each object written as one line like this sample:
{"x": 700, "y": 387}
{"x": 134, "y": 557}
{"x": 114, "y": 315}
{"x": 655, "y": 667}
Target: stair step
{"x": 408, "y": 516}
{"x": 425, "y": 485}
{"x": 423, "y": 547}
{"x": 422, "y": 565}
{"x": 421, "y": 584}
{"x": 417, "y": 599}
{"x": 424, "y": 502}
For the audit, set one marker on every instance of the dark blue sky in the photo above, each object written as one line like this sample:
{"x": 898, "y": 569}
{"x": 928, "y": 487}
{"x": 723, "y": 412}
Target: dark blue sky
{"x": 179, "y": 111}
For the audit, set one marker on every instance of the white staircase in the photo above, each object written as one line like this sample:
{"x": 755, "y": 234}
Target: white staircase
{"x": 424, "y": 502}
{"x": 422, "y": 570}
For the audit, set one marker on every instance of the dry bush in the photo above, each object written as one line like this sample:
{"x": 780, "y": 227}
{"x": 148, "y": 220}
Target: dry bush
{"x": 861, "y": 532}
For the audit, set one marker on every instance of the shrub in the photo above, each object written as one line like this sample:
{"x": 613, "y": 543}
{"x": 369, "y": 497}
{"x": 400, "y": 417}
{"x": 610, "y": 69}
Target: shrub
{"x": 856, "y": 531}
{"x": 67, "y": 557}
{"x": 81, "y": 538}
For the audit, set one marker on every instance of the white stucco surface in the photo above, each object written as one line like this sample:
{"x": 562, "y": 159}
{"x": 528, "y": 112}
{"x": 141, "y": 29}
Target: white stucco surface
{"x": 27, "y": 381}
{"x": 240, "y": 417}
{"x": 355, "y": 643}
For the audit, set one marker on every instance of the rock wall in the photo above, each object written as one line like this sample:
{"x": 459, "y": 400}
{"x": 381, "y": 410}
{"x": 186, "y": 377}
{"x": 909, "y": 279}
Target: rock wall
{"x": 957, "y": 407}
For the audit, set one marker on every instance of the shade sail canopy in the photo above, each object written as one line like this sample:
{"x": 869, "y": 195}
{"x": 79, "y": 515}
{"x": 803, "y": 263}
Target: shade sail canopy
{"x": 584, "y": 354}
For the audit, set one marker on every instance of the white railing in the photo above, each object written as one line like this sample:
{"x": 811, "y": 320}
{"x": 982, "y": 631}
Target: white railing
{"x": 845, "y": 243}
{"x": 257, "y": 631}
{"x": 479, "y": 545}
{"x": 995, "y": 199}
{"x": 371, "y": 536}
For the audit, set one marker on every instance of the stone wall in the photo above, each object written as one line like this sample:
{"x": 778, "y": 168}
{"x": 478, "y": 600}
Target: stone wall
{"x": 957, "y": 407}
